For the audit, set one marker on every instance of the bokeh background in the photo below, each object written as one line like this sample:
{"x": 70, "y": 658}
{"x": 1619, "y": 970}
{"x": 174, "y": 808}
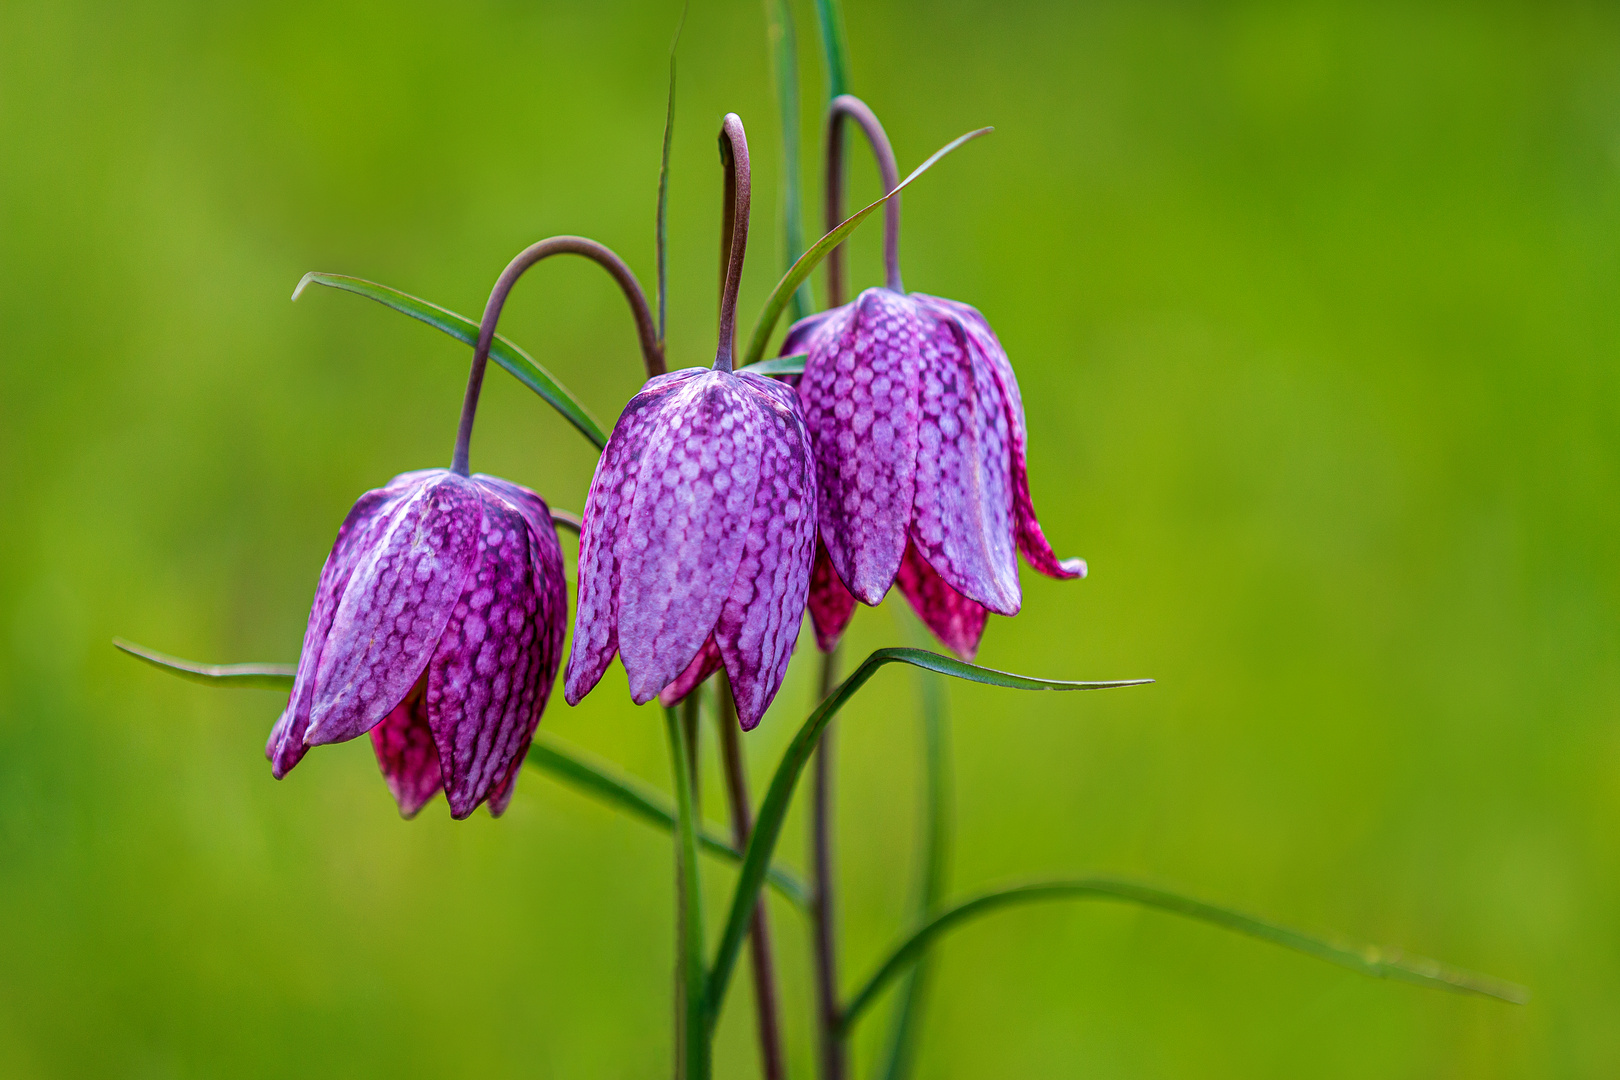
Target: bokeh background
{"x": 1314, "y": 309}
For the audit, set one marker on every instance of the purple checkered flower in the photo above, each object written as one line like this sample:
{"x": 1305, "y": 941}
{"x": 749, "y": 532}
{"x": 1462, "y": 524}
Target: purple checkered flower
{"x": 698, "y": 536}
{"x": 437, "y": 627}
{"x": 919, "y": 436}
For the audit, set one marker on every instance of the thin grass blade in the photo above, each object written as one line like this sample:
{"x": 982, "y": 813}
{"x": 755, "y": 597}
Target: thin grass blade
{"x": 522, "y": 366}
{"x": 834, "y": 46}
{"x": 785, "y": 71}
{"x": 806, "y": 263}
{"x": 662, "y": 238}
{"x": 244, "y": 676}
{"x": 773, "y": 811}
{"x": 1379, "y": 963}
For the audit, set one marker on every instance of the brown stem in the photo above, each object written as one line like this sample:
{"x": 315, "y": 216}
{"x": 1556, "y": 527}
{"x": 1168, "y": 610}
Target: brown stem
{"x": 652, "y": 354}
{"x": 852, "y": 107}
{"x": 759, "y": 941}
{"x": 823, "y": 916}
{"x": 733, "y": 233}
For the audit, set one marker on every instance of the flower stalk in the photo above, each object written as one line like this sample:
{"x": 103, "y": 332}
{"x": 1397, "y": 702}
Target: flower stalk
{"x": 692, "y": 1029}
{"x": 823, "y": 885}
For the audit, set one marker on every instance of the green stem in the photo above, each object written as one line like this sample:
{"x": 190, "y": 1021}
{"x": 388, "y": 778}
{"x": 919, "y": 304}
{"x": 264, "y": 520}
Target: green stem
{"x": 692, "y": 1032}
{"x": 823, "y": 892}
{"x": 834, "y": 46}
{"x": 785, "y": 69}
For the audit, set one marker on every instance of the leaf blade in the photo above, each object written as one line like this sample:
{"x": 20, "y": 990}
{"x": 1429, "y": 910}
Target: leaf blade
{"x": 773, "y": 811}
{"x": 1377, "y": 963}
{"x": 801, "y": 269}
{"x": 502, "y": 350}
{"x": 242, "y": 676}
{"x": 781, "y": 365}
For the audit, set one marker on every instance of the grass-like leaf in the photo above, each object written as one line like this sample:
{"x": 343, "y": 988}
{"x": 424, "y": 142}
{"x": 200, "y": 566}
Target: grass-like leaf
{"x": 785, "y": 71}
{"x": 244, "y": 676}
{"x": 773, "y": 812}
{"x": 802, "y": 267}
{"x": 781, "y": 365}
{"x": 465, "y": 330}
{"x": 834, "y": 46}
{"x": 1380, "y": 963}
{"x": 661, "y": 233}
{"x": 545, "y": 753}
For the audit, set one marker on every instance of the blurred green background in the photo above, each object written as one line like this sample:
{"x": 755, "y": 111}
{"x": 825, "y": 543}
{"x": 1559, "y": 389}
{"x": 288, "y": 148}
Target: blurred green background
{"x": 1314, "y": 309}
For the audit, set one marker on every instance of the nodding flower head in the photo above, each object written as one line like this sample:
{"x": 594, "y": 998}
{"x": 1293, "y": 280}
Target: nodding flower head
{"x": 699, "y": 530}
{"x": 919, "y": 436}
{"x": 437, "y": 627}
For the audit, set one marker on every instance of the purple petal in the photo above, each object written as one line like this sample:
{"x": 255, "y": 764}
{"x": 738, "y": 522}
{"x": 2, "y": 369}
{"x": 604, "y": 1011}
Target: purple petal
{"x": 957, "y": 621}
{"x": 687, "y": 527}
{"x": 859, "y": 393}
{"x": 801, "y": 333}
{"x": 704, "y": 664}
{"x": 1031, "y": 540}
{"x": 605, "y": 535}
{"x": 760, "y": 620}
{"x": 369, "y": 515}
{"x": 963, "y": 518}
{"x": 396, "y": 606}
{"x": 831, "y": 606}
{"x": 487, "y": 680}
{"x": 406, "y": 755}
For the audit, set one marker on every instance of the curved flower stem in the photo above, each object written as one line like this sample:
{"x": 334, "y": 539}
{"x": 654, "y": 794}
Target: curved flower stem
{"x": 691, "y": 1031}
{"x": 652, "y": 353}
{"x": 823, "y": 880}
{"x": 733, "y": 233}
{"x": 742, "y": 826}
{"x": 852, "y": 107}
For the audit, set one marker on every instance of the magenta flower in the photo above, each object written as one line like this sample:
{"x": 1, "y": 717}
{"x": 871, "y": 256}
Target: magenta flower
{"x": 697, "y": 541}
{"x": 919, "y": 435}
{"x": 700, "y": 527}
{"x": 437, "y": 627}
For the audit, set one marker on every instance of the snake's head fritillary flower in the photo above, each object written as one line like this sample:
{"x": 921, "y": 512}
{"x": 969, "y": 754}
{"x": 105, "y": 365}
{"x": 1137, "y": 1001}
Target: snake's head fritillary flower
{"x": 437, "y": 627}
{"x": 919, "y": 436}
{"x": 697, "y": 541}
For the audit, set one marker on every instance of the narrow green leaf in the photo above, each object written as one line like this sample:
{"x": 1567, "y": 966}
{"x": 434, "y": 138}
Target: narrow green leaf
{"x": 1380, "y": 963}
{"x": 545, "y": 753}
{"x": 781, "y": 365}
{"x": 773, "y": 812}
{"x": 245, "y": 676}
{"x": 801, "y": 269}
{"x": 663, "y": 186}
{"x": 834, "y": 46}
{"x": 465, "y": 330}
{"x": 645, "y": 804}
{"x": 785, "y": 70}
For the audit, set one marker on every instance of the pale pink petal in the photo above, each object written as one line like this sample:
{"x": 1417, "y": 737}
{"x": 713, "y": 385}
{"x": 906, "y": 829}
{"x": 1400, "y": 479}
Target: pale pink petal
{"x": 859, "y": 396}
{"x": 963, "y": 515}
{"x": 764, "y": 610}
{"x": 605, "y": 534}
{"x": 398, "y": 601}
{"x": 687, "y": 526}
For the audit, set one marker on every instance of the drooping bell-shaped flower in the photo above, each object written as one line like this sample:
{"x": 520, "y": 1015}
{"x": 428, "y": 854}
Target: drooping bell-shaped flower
{"x": 919, "y": 435}
{"x": 699, "y": 530}
{"x": 437, "y": 627}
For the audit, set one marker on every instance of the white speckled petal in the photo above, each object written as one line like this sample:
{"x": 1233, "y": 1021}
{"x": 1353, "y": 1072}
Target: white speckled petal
{"x": 396, "y": 606}
{"x": 606, "y": 533}
{"x": 369, "y": 516}
{"x": 859, "y": 394}
{"x": 1031, "y": 540}
{"x": 963, "y": 515}
{"x": 484, "y": 680}
{"x": 760, "y": 620}
{"x": 687, "y": 526}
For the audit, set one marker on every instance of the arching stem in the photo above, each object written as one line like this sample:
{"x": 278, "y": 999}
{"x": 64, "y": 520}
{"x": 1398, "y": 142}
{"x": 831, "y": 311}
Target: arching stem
{"x": 852, "y": 107}
{"x": 733, "y": 233}
{"x": 652, "y": 354}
